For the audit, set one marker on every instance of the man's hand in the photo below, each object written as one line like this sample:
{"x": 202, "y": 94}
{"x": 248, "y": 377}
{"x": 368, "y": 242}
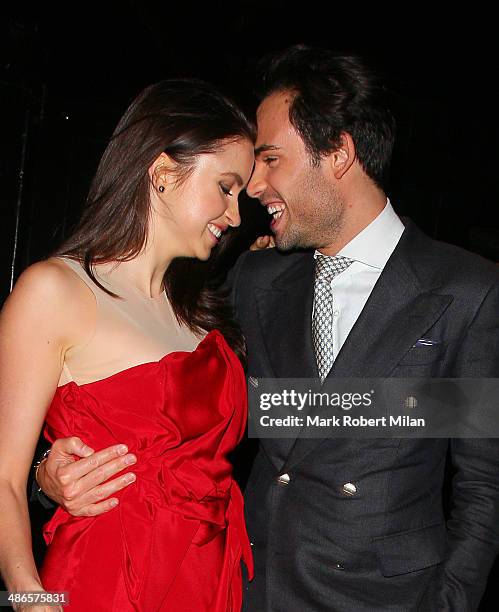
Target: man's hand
{"x": 263, "y": 242}
{"x": 76, "y": 484}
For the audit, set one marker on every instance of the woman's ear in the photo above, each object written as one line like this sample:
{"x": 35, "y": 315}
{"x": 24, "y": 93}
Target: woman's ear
{"x": 162, "y": 172}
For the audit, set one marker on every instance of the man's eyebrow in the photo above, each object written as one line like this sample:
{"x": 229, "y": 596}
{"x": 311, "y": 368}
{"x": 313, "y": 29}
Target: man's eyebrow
{"x": 235, "y": 176}
{"x": 265, "y": 147}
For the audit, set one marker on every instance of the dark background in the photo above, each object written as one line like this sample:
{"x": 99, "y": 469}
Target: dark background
{"x": 68, "y": 71}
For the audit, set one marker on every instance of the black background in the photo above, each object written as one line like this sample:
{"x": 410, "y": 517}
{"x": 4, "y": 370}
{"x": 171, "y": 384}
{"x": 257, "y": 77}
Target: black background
{"x": 68, "y": 71}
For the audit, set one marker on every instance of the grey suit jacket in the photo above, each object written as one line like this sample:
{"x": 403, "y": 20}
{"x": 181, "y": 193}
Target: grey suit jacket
{"x": 387, "y": 547}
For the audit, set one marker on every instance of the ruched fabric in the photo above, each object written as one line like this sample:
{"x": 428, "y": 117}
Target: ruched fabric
{"x": 177, "y": 537}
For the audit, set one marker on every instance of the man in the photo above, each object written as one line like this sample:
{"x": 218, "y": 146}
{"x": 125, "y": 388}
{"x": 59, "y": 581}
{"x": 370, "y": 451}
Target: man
{"x": 349, "y": 524}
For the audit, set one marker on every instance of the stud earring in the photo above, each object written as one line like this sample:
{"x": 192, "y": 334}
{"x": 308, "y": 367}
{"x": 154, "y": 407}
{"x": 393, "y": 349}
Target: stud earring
{"x": 161, "y": 188}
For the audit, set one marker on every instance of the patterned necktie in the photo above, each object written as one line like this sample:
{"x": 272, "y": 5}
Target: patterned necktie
{"x": 326, "y": 268}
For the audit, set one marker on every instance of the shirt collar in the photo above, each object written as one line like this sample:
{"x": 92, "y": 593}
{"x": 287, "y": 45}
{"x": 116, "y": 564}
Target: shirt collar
{"x": 376, "y": 242}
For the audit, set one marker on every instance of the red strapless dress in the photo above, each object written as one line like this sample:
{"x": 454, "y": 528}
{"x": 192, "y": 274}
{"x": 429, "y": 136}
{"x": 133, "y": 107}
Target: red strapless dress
{"x": 176, "y": 539}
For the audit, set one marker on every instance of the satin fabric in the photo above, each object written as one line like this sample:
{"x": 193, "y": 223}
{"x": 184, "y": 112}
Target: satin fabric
{"x": 176, "y": 539}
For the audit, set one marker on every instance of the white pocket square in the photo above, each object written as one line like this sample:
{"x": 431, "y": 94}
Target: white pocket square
{"x": 426, "y": 342}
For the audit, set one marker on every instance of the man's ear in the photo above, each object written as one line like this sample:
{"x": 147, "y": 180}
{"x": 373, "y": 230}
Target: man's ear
{"x": 342, "y": 158}
{"x": 162, "y": 172}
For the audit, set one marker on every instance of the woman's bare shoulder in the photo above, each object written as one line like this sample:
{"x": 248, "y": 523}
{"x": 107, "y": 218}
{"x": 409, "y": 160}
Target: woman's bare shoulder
{"x": 49, "y": 290}
{"x": 52, "y": 278}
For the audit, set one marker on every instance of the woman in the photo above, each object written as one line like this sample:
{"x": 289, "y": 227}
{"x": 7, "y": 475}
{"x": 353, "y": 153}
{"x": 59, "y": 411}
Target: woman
{"x": 113, "y": 340}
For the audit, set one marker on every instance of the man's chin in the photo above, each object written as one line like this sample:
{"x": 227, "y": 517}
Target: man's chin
{"x": 286, "y": 243}
{"x": 284, "y": 246}
{"x": 281, "y": 244}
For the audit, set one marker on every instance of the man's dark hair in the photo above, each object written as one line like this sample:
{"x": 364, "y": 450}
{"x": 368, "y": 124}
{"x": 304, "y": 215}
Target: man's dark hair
{"x": 333, "y": 94}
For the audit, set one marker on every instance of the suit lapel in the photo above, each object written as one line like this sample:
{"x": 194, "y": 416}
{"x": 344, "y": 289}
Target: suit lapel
{"x": 396, "y": 315}
{"x": 285, "y": 313}
{"x": 398, "y": 312}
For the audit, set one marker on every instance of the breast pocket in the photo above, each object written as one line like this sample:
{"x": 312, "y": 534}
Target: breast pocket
{"x": 423, "y": 354}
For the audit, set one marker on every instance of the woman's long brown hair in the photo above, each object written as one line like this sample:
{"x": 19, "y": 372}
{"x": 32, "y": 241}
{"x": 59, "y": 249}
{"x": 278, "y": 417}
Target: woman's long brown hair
{"x": 184, "y": 118}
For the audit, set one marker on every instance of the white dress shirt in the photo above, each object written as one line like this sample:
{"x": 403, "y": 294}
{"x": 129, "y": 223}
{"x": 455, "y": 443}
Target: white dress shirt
{"x": 369, "y": 250}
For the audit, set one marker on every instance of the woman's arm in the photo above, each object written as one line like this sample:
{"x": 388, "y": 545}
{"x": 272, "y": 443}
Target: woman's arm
{"x": 49, "y": 310}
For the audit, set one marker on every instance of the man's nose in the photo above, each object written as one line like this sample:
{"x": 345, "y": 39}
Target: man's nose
{"x": 257, "y": 183}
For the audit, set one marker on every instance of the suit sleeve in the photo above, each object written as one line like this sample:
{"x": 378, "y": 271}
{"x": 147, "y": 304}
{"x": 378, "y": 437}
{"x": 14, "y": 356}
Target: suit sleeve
{"x": 231, "y": 285}
{"x": 473, "y": 526}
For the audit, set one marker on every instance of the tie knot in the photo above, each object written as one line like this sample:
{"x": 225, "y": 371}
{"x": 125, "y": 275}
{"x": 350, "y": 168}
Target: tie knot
{"x": 329, "y": 266}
